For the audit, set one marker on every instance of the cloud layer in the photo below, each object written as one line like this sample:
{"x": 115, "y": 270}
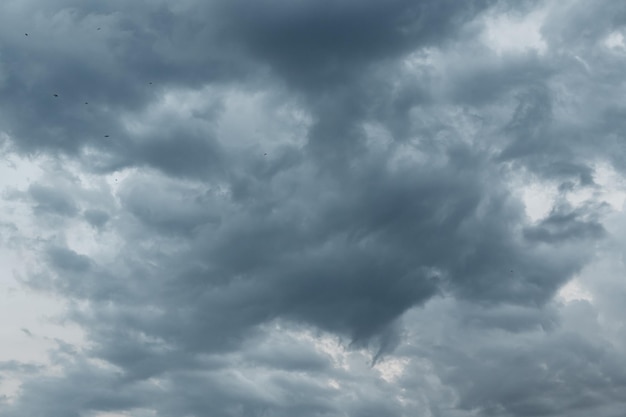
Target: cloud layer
{"x": 318, "y": 208}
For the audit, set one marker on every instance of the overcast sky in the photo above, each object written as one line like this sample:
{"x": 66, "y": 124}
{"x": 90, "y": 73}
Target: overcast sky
{"x": 385, "y": 208}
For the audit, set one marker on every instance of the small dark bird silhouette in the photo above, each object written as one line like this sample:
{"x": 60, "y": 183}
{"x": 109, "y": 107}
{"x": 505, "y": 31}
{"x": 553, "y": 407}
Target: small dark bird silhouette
{"x": 150, "y": 83}
{"x": 86, "y": 102}
{"x": 98, "y": 28}
{"x": 56, "y": 95}
{"x": 106, "y": 136}
{"x": 265, "y": 154}
{"x": 26, "y": 34}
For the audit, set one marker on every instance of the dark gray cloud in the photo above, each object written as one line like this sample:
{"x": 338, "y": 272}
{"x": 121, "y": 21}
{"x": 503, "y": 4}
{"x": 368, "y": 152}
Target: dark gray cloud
{"x": 95, "y": 217}
{"x": 544, "y": 370}
{"x": 315, "y": 208}
{"x": 50, "y": 200}
{"x": 14, "y": 366}
{"x": 323, "y": 44}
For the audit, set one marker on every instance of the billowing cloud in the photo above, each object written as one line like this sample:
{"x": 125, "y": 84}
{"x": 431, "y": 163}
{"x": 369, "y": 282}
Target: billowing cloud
{"x": 316, "y": 208}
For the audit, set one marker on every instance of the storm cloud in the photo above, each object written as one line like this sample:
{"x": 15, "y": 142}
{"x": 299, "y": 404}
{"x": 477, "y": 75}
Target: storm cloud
{"x": 341, "y": 208}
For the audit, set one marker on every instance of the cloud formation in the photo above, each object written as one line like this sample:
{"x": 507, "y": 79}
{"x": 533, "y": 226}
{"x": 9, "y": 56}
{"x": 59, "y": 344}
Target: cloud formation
{"x": 318, "y": 208}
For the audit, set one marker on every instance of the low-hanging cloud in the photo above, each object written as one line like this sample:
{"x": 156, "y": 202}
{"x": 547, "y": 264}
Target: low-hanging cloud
{"x": 306, "y": 208}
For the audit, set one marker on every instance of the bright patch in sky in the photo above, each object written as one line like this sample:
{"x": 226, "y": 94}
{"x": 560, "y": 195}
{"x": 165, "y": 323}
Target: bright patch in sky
{"x": 538, "y": 200}
{"x": 615, "y": 40}
{"x": 573, "y": 291}
{"x": 507, "y": 33}
{"x": 391, "y": 369}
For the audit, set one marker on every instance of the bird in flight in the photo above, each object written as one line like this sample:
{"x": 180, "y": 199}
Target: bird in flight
{"x": 26, "y": 34}
{"x": 56, "y": 95}
{"x": 106, "y": 136}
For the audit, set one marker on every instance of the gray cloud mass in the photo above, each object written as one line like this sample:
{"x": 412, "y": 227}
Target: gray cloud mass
{"x": 318, "y": 208}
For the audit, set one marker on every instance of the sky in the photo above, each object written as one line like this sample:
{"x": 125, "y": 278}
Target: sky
{"x": 332, "y": 208}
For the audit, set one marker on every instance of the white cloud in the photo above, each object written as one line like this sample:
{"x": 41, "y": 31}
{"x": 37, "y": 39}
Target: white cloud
{"x": 508, "y": 33}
